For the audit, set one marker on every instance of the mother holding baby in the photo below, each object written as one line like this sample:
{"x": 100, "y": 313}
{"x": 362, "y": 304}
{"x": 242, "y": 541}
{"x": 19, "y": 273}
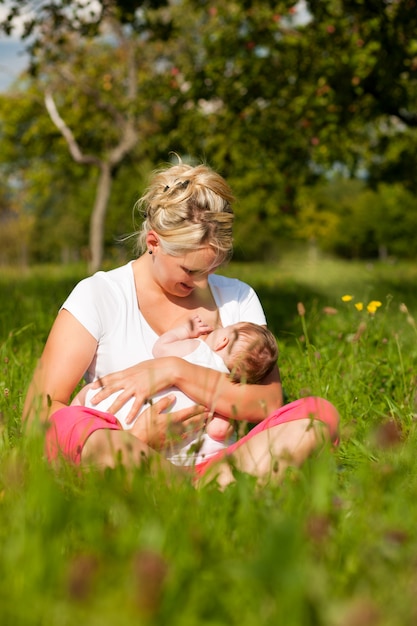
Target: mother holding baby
{"x": 107, "y": 327}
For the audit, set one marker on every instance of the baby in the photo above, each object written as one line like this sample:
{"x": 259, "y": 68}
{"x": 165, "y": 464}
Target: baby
{"x": 246, "y": 351}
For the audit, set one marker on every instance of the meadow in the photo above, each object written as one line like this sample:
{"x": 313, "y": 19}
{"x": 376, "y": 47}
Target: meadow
{"x": 334, "y": 545}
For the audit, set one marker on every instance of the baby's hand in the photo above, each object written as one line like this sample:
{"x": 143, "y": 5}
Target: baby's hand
{"x": 198, "y": 327}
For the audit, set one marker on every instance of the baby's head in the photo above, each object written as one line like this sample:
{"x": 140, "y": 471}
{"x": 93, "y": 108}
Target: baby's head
{"x": 249, "y": 351}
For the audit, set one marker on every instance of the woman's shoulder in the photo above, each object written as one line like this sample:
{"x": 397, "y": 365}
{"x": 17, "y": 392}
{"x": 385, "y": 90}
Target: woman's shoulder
{"x": 116, "y": 276}
{"x": 104, "y": 286}
{"x": 98, "y": 301}
{"x": 229, "y": 290}
{"x": 116, "y": 280}
{"x": 237, "y": 301}
{"x": 224, "y": 283}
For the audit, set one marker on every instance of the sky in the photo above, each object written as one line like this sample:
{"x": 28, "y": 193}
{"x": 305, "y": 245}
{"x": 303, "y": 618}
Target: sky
{"x": 12, "y": 61}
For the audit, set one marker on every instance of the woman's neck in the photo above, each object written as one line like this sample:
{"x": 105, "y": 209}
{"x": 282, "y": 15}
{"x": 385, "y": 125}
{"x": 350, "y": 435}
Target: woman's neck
{"x": 164, "y": 311}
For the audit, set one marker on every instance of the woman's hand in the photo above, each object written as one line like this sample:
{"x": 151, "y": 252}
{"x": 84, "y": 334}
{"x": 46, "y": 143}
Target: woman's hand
{"x": 210, "y": 388}
{"x": 155, "y": 426}
{"x": 140, "y": 382}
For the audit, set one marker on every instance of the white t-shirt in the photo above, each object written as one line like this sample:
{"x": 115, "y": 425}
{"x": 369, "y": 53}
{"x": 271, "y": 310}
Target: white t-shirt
{"x": 106, "y": 305}
{"x": 179, "y": 453}
{"x": 202, "y": 355}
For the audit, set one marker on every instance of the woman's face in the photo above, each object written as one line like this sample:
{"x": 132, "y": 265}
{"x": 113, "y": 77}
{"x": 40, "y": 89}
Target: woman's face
{"x": 181, "y": 275}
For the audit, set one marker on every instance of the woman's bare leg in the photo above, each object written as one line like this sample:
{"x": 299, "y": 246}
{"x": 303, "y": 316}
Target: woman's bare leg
{"x": 270, "y": 452}
{"x": 109, "y": 448}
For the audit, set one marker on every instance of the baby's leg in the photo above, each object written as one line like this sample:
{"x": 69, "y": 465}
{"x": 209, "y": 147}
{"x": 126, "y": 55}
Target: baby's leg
{"x": 219, "y": 428}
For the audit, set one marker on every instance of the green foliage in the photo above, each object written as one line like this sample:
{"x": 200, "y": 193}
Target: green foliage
{"x": 393, "y": 158}
{"x": 320, "y": 549}
{"x": 274, "y": 97}
{"x": 347, "y": 218}
{"x": 47, "y": 193}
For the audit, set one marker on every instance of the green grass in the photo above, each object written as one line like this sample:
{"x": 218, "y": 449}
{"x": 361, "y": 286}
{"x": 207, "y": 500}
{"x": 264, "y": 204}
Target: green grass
{"x": 334, "y": 545}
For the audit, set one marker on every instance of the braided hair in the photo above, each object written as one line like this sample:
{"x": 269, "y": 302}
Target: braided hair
{"x": 188, "y": 207}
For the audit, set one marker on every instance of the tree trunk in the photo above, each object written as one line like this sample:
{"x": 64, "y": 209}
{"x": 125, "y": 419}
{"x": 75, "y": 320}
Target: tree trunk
{"x": 128, "y": 138}
{"x": 98, "y": 217}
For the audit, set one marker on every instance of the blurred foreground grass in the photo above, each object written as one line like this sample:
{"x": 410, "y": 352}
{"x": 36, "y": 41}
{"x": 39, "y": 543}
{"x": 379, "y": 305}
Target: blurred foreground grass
{"x": 335, "y": 544}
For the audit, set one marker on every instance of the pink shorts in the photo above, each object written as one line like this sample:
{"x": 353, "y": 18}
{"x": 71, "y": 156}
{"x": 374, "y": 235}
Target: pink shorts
{"x": 311, "y": 407}
{"x": 71, "y": 426}
{"x": 69, "y": 429}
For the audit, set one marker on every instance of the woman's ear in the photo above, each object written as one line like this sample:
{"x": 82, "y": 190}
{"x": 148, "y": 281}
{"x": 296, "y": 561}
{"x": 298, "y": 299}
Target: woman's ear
{"x": 152, "y": 240}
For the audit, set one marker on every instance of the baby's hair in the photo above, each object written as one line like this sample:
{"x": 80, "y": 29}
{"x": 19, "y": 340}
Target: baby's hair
{"x": 188, "y": 207}
{"x": 257, "y": 357}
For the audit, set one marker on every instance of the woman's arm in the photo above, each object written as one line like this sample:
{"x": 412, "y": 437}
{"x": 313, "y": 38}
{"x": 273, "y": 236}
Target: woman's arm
{"x": 68, "y": 352}
{"x": 207, "y": 387}
{"x": 251, "y": 403}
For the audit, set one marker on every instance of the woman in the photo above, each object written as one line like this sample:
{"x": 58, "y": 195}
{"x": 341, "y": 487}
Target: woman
{"x": 113, "y": 316}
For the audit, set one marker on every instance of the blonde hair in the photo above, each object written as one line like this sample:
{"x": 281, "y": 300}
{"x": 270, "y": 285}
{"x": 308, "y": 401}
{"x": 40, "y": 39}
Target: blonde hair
{"x": 188, "y": 207}
{"x": 256, "y": 356}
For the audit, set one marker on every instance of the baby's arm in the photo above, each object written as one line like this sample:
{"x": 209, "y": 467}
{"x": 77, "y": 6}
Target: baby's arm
{"x": 180, "y": 341}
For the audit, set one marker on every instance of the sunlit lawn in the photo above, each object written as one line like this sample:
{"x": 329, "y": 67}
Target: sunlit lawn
{"x": 335, "y": 544}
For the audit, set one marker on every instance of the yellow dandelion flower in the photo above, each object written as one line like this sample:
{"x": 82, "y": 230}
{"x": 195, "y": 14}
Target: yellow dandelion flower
{"x": 373, "y": 306}
{"x": 359, "y": 306}
{"x": 347, "y": 298}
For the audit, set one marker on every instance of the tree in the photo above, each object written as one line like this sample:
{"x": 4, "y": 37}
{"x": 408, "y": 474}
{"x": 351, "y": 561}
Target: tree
{"x": 364, "y": 64}
{"x": 348, "y": 218}
{"x": 334, "y": 88}
{"x": 61, "y": 63}
{"x": 92, "y": 63}
{"x": 272, "y": 101}
{"x": 114, "y": 151}
{"x": 15, "y": 228}
{"x": 377, "y": 62}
